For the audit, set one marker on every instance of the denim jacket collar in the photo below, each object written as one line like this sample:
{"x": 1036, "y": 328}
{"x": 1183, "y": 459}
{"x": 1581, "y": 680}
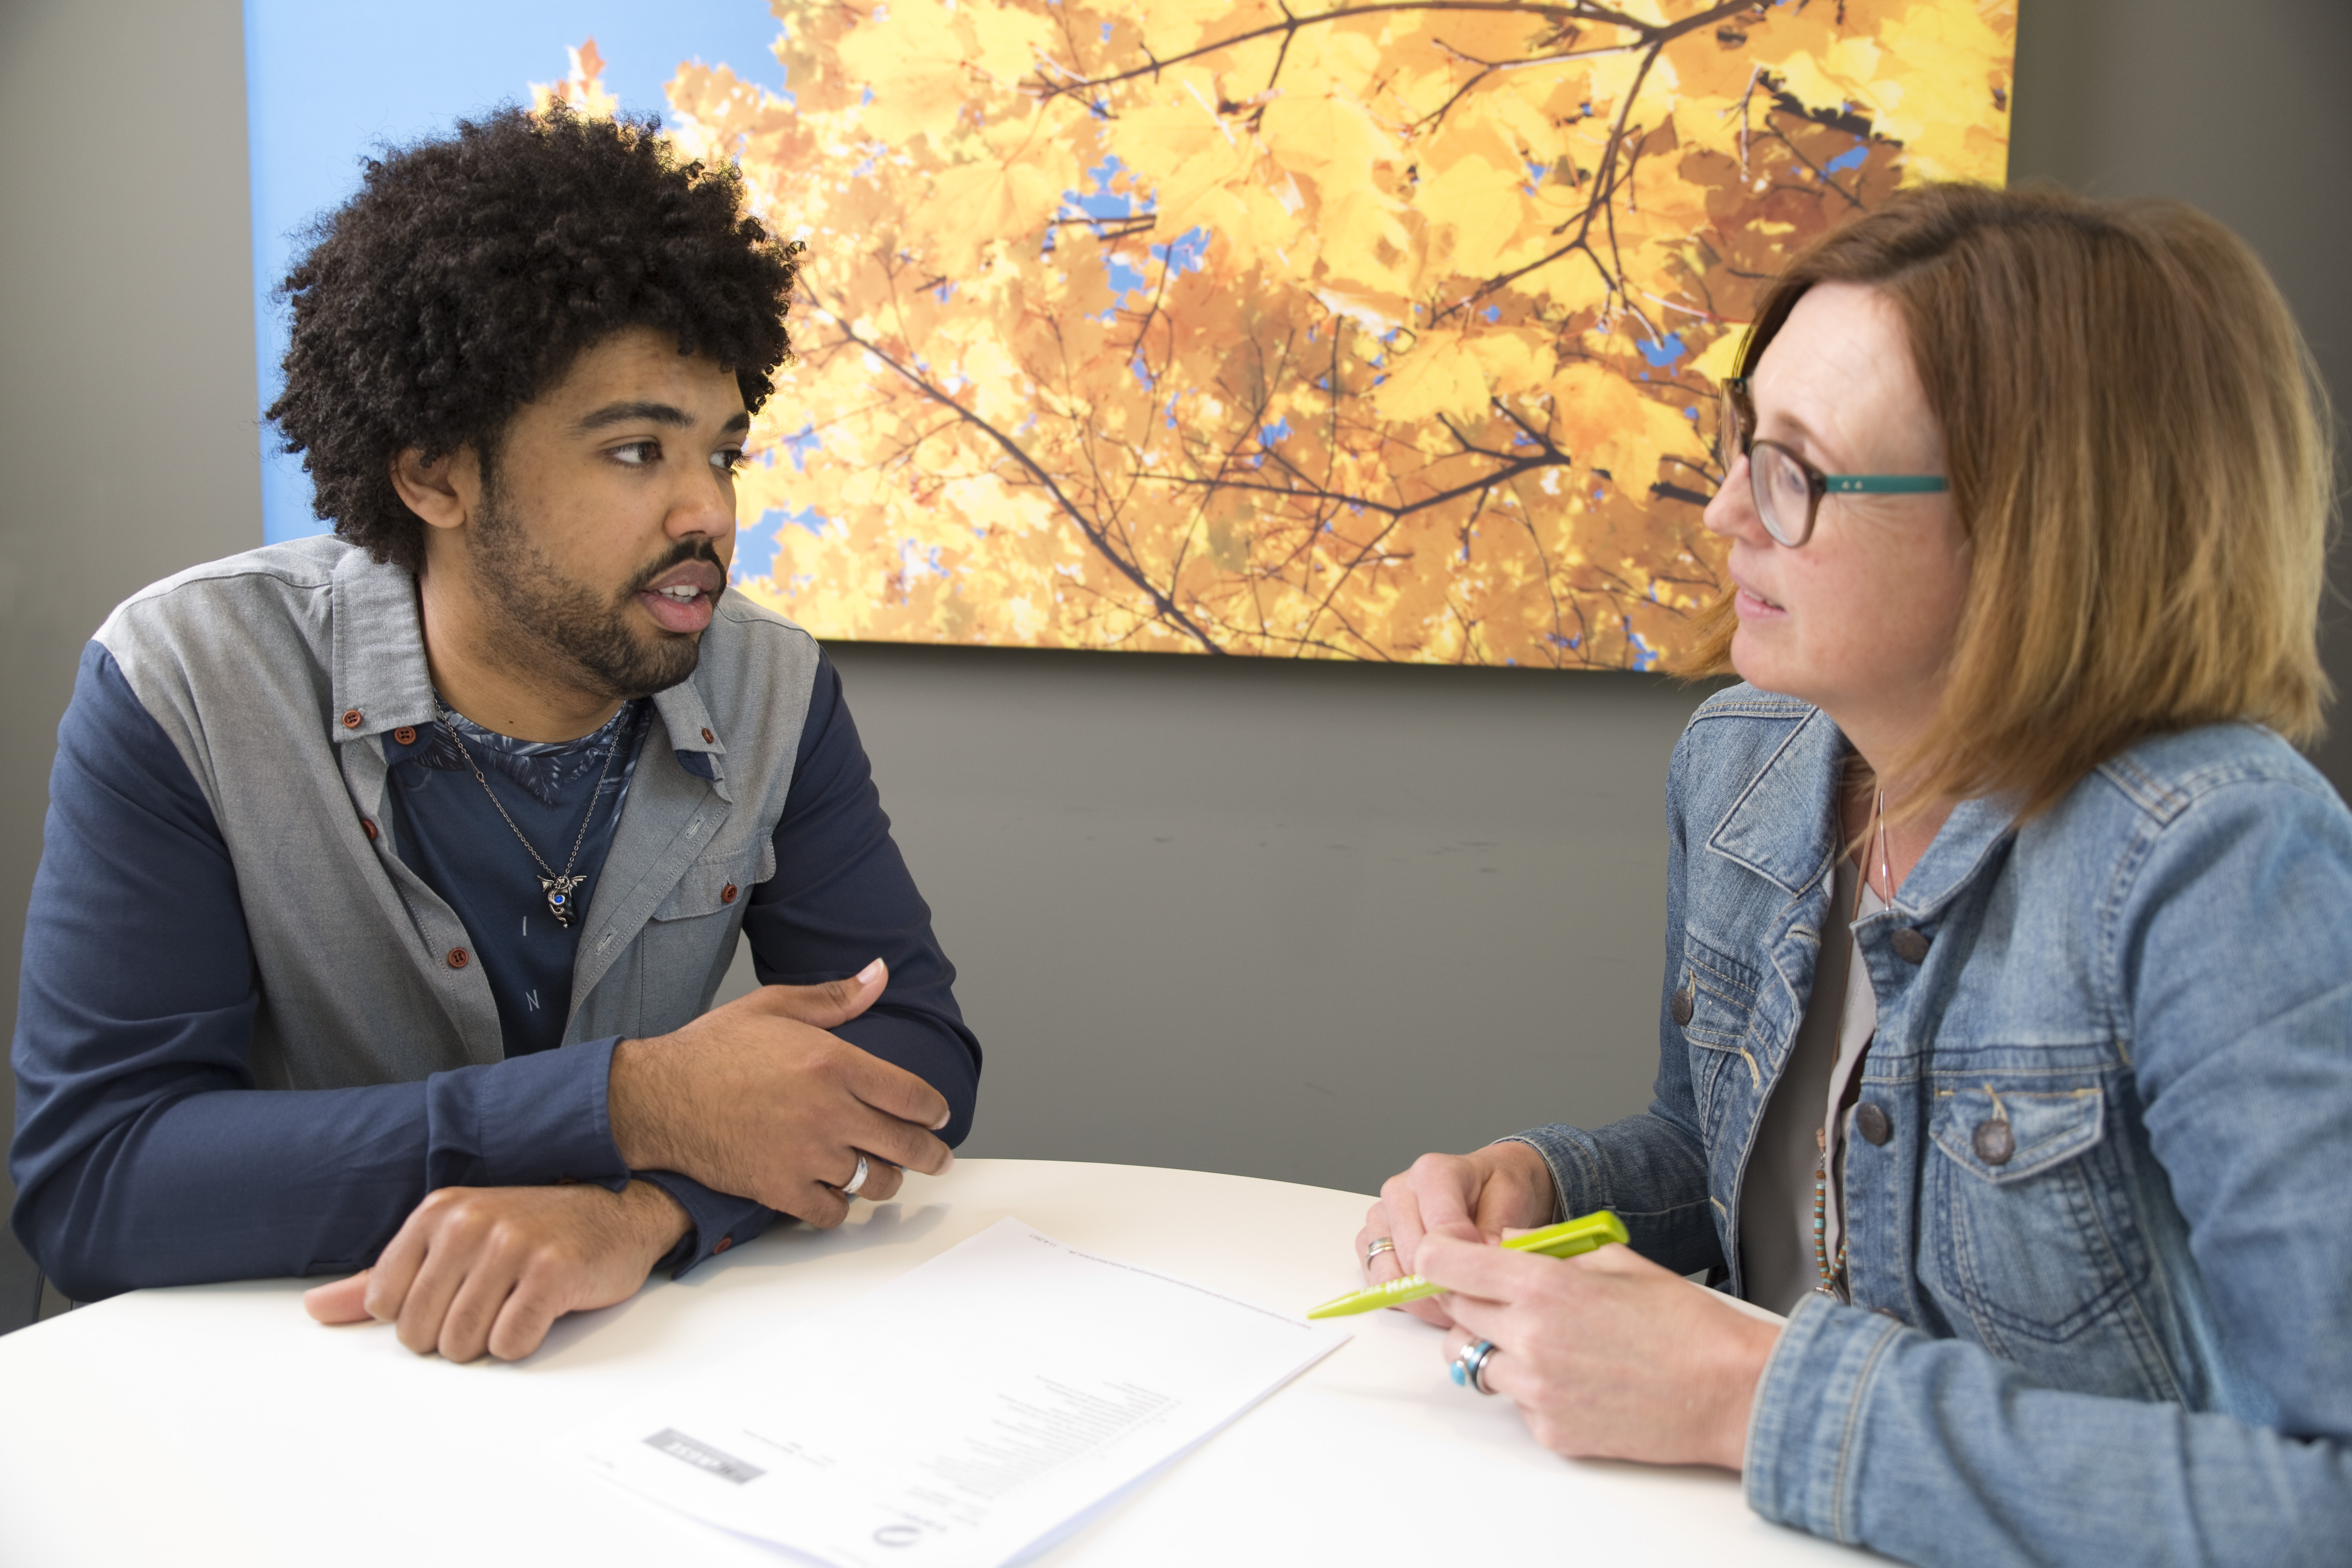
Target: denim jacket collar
{"x": 1784, "y": 828}
{"x": 1976, "y": 832}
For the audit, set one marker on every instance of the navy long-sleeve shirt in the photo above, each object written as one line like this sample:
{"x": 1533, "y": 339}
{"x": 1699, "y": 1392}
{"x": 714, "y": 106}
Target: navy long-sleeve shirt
{"x": 144, "y": 1153}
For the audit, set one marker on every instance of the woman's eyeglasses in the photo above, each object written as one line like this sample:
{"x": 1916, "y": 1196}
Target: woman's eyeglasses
{"x": 1789, "y": 489}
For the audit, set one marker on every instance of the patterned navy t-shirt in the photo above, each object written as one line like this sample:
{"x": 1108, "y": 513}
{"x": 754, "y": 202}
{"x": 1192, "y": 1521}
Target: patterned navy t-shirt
{"x": 448, "y": 833}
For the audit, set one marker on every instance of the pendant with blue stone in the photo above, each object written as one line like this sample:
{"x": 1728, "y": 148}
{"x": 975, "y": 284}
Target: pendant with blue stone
{"x": 559, "y": 896}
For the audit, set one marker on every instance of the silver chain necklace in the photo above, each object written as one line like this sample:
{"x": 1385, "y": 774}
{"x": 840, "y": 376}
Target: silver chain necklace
{"x": 558, "y": 885}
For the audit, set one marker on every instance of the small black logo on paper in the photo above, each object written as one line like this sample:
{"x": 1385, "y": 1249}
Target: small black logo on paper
{"x": 703, "y": 1457}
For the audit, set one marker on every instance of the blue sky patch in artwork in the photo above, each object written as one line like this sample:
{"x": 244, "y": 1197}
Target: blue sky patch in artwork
{"x": 757, "y": 545}
{"x": 1188, "y": 252}
{"x": 1124, "y": 278}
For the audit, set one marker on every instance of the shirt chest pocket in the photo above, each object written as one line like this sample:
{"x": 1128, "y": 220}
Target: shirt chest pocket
{"x": 718, "y": 882}
{"x": 2032, "y": 1231}
{"x": 684, "y": 951}
{"x": 1713, "y": 1004}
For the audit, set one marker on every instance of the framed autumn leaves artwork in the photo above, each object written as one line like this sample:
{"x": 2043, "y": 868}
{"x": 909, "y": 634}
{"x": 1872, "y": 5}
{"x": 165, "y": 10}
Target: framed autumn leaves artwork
{"x": 1381, "y": 331}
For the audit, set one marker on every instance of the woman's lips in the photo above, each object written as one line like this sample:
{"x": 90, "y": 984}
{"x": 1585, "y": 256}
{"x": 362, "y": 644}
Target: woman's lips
{"x": 1752, "y": 604}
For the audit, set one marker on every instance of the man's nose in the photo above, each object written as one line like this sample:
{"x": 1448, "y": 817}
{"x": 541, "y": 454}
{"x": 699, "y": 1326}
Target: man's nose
{"x": 707, "y": 506}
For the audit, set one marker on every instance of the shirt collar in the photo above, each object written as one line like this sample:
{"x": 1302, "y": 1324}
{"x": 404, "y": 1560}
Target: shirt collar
{"x": 382, "y": 682}
{"x": 692, "y": 736}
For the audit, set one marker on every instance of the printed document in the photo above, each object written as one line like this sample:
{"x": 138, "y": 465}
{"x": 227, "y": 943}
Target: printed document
{"x": 970, "y": 1412}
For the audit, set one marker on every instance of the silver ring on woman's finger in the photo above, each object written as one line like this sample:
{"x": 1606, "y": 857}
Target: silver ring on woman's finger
{"x": 1469, "y": 1368}
{"x": 1377, "y": 1245}
{"x": 849, "y": 1188}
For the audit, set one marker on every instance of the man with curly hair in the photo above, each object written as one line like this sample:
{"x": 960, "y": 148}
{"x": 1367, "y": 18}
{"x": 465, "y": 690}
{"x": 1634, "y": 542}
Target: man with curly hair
{"x": 390, "y": 875}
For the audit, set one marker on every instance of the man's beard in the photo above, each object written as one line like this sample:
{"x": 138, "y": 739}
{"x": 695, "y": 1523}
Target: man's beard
{"x": 547, "y": 619}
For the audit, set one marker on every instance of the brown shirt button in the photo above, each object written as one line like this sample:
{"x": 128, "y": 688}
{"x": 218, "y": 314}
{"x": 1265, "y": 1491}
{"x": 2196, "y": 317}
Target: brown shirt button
{"x": 726, "y": 894}
{"x": 351, "y": 717}
{"x": 724, "y": 1243}
{"x": 1871, "y": 1123}
{"x": 369, "y": 829}
{"x": 1685, "y": 1001}
{"x": 707, "y": 738}
{"x": 459, "y": 958}
{"x": 406, "y": 734}
{"x": 1994, "y": 1141}
{"x": 1910, "y": 946}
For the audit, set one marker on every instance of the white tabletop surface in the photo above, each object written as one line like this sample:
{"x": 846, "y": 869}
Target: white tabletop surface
{"x": 218, "y": 1424}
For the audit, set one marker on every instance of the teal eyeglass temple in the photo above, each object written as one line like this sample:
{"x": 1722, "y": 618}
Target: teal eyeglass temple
{"x": 1737, "y": 417}
{"x": 1883, "y": 484}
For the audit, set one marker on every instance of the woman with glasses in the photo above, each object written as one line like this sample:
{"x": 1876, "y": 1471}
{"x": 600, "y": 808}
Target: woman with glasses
{"x": 2006, "y": 1026}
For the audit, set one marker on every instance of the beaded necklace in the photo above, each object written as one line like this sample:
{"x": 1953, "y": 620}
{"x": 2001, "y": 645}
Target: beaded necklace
{"x": 1833, "y": 1280}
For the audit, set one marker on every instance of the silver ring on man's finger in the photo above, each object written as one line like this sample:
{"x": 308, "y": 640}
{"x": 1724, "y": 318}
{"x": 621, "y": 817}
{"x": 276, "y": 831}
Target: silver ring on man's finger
{"x": 849, "y": 1188}
{"x": 1377, "y": 1245}
{"x": 1469, "y": 1368}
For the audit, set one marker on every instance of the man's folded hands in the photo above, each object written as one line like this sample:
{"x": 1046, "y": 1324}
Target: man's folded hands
{"x": 756, "y": 1098}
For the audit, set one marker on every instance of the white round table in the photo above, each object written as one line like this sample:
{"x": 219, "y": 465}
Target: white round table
{"x": 218, "y": 1424}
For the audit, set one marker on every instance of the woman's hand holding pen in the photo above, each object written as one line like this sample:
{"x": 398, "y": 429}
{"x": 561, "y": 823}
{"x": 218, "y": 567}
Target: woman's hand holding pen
{"x": 1473, "y": 1197}
{"x": 1606, "y": 1355}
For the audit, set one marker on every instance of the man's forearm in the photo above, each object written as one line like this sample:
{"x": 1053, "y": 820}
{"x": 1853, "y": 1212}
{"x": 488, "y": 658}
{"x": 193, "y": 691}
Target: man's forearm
{"x": 236, "y": 1184}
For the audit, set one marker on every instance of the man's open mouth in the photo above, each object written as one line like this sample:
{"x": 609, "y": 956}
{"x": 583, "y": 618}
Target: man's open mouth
{"x": 681, "y": 599}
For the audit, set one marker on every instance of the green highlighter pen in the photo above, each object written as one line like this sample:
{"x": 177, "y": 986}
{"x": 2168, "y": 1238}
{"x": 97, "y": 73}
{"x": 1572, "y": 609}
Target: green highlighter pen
{"x": 1566, "y": 1239}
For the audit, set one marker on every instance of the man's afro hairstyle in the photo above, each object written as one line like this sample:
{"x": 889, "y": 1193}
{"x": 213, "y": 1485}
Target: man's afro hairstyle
{"x": 468, "y": 273}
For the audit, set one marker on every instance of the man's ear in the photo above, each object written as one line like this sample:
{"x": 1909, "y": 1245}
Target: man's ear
{"x": 438, "y": 491}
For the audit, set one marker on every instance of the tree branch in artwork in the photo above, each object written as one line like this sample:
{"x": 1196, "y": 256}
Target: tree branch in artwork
{"x": 1382, "y": 331}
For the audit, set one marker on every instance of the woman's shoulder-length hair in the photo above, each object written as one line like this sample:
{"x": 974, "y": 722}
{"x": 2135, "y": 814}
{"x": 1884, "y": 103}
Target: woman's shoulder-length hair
{"x": 2138, "y": 445}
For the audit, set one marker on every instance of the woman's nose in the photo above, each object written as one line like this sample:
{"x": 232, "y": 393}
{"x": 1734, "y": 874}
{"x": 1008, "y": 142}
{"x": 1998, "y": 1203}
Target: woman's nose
{"x": 1733, "y": 509}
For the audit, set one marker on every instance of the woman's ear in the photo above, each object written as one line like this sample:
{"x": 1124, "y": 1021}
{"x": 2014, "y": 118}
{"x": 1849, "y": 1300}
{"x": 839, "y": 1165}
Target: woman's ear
{"x": 436, "y": 492}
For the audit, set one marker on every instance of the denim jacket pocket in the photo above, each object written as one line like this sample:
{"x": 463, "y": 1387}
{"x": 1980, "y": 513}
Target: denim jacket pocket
{"x": 1713, "y": 1003}
{"x": 2031, "y": 1218}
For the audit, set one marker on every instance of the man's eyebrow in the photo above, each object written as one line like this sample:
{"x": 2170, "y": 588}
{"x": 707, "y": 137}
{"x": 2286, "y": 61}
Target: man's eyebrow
{"x": 653, "y": 412}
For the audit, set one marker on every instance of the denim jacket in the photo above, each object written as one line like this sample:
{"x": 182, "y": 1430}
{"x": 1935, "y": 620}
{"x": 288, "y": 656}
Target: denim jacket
{"x": 2099, "y": 1177}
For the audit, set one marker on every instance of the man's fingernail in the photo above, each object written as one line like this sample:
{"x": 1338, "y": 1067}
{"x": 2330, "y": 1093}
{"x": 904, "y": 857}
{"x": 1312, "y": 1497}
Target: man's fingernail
{"x": 865, "y": 975}
{"x": 945, "y": 1116}
{"x": 946, "y": 1165}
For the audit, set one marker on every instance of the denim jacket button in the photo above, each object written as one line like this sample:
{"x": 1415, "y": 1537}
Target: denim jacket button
{"x": 1994, "y": 1141}
{"x": 1909, "y": 946}
{"x": 1871, "y": 1123}
{"x": 1683, "y": 1004}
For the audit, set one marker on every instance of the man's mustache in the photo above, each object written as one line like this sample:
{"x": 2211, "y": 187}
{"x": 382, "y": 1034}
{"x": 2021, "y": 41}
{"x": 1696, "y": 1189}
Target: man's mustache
{"x": 684, "y": 550}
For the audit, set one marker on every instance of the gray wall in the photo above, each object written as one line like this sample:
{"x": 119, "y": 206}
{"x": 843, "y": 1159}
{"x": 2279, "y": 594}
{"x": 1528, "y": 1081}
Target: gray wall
{"x": 126, "y": 364}
{"x": 1289, "y": 920}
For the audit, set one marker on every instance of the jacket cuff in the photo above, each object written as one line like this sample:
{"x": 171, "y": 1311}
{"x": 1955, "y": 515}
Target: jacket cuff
{"x": 1567, "y": 1155}
{"x": 528, "y": 1121}
{"x": 1805, "y": 1430}
{"x": 716, "y": 1221}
